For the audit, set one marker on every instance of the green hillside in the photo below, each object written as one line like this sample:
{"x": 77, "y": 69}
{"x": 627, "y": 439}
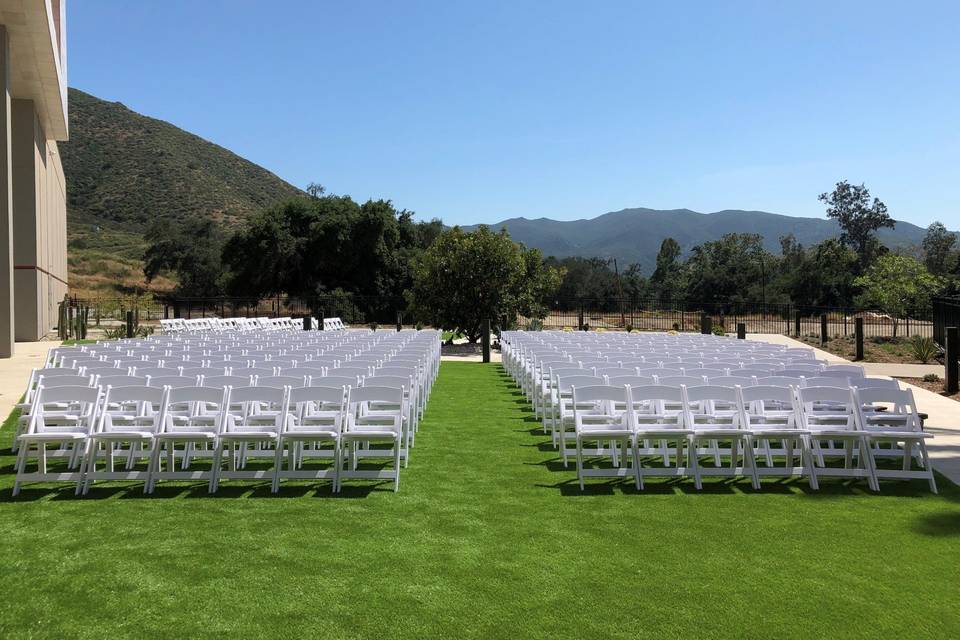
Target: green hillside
{"x": 124, "y": 171}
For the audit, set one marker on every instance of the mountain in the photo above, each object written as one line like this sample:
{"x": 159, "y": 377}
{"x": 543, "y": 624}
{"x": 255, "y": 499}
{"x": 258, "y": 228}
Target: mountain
{"x": 634, "y": 235}
{"x": 124, "y": 171}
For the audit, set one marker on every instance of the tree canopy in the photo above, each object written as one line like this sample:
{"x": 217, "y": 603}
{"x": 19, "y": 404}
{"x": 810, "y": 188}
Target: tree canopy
{"x": 859, "y": 219}
{"x": 466, "y": 277}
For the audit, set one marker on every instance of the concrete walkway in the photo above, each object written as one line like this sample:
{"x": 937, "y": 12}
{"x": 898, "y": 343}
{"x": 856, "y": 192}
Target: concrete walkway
{"x": 943, "y": 414}
{"x": 15, "y": 371}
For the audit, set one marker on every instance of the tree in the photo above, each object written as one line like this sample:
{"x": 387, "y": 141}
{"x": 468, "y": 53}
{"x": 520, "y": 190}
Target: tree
{"x": 731, "y": 269}
{"x": 899, "y": 286}
{"x": 666, "y": 279}
{"x": 859, "y": 219}
{"x": 310, "y": 246}
{"x": 821, "y": 276}
{"x": 938, "y": 246}
{"x": 315, "y": 189}
{"x": 191, "y": 252}
{"x": 464, "y": 278}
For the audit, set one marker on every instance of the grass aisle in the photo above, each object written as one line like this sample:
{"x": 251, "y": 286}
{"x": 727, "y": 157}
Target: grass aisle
{"x": 488, "y": 537}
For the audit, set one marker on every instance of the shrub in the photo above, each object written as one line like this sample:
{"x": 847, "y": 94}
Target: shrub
{"x": 629, "y": 328}
{"x": 374, "y": 326}
{"x": 923, "y": 349}
{"x": 418, "y": 326}
{"x": 931, "y": 377}
{"x": 535, "y": 324}
{"x": 718, "y": 330}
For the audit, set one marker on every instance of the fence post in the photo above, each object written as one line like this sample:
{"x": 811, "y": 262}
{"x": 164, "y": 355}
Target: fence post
{"x": 399, "y": 322}
{"x": 486, "y": 340}
{"x": 307, "y": 322}
{"x": 321, "y": 325}
{"x": 741, "y": 331}
{"x": 706, "y": 324}
{"x": 858, "y": 335}
{"x": 130, "y": 324}
{"x": 580, "y": 318}
{"x": 823, "y": 329}
{"x": 951, "y": 361}
{"x": 796, "y": 324}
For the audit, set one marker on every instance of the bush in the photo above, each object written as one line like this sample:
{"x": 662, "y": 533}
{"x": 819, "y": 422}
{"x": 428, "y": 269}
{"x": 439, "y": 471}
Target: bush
{"x": 374, "y": 326}
{"x": 418, "y": 326}
{"x": 931, "y": 377}
{"x": 923, "y": 349}
{"x": 718, "y": 330}
{"x": 629, "y": 328}
{"x": 535, "y": 324}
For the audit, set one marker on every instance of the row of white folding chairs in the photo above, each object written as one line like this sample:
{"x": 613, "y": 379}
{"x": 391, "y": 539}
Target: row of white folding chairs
{"x": 181, "y": 425}
{"x": 212, "y": 324}
{"x": 563, "y": 379}
{"x": 630, "y": 424}
{"x": 535, "y": 377}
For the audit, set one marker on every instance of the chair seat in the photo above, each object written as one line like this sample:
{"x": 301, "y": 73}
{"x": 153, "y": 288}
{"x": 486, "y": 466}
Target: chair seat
{"x": 893, "y": 434}
{"x": 123, "y": 435}
{"x": 720, "y": 431}
{"x": 366, "y": 434}
{"x": 51, "y": 436}
{"x": 659, "y": 431}
{"x": 826, "y": 432}
{"x": 186, "y": 435}
{"x": 250, "y": 434}
{"x": 604, "y": 432}
{"x": 310, "y": 433}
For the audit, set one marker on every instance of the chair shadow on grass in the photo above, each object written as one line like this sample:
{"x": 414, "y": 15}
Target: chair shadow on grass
{"x": 134, "y": 491}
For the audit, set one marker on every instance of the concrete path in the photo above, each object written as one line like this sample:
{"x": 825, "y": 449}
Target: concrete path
{"x": 943, "y": 414}
{"x": 15, "y": 371}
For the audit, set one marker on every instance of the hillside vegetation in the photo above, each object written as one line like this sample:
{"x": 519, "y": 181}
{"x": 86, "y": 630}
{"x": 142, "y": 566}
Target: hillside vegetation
{"x": 125, "y": 171}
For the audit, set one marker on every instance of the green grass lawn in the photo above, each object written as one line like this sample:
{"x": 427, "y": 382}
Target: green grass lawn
{"x": 488, "y": 537}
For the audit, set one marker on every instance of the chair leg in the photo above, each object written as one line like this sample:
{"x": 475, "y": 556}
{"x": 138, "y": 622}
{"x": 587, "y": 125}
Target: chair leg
{"x": 580, "y": 462}
{"x": 21, "y": 466}
{"x": 926, "y": 465}
{"x": 692, "y": 460}
{"x": 396, "y": 465}
{"x": 277, "y": 462}
{"x": 637, "y": 472}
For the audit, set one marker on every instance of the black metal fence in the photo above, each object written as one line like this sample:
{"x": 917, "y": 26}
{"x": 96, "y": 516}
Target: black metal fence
{"x": 665, "y": 315}
{"x": 946, "y": 313}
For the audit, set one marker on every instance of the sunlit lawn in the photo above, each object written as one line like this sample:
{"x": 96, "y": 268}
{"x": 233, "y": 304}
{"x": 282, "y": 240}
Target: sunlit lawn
{"x": 488, "y": 537}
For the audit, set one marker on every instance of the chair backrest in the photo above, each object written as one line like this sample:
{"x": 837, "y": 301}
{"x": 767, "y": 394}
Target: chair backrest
{"x": 780, "y": 381}
{"x": 810, "y": 396}
{"x": 334, "y": 381}
{"x": 657, "y": 392}
{"x": 323, "y": 395}
{"x": 360, "y": 372}
{"x": 388, "y": 395}
{"x": 704, "y": 372}
{"x": 876, "y": 383}
{"x": 398, "y": 382}
{"x": 177, "y": 382}
{"x": 714, "y": 392}
{"x": 67, "y": 394}
{"x": 853, "y": 370}
{"x": 599, "y": 393}
{"x": 281, "y": 381}
{"x": 121, "y": 381}
{"x": 767, "y": 393}
{"x": 613, "y": 372}
{"x": 252, "y": 371}
{"x": 731, "y": 381}
{"x": 825, "y": 381}
{"x": 134, "y": 394}
{"x": 632, "y": 380}
{"x": 676, "y": 381}
{"x": 209, "y": 395}
{"x": 258, "y": 394}
{"x": 66, "y": 381}
{"x": 566, "y": 383}
{"x": 220, "y": 382}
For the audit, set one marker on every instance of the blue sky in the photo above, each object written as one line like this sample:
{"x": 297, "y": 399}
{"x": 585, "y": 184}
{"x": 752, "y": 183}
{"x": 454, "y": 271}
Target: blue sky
{"x": 479, "y": 111}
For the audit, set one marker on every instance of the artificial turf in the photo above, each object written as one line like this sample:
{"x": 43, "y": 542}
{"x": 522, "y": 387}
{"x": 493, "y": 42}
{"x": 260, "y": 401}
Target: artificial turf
{"x": 489, "y": 536}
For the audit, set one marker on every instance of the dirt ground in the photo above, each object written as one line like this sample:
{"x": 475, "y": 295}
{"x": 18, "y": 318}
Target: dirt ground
{"x": 894, "y": 350}
{"x": 936, "y": 387}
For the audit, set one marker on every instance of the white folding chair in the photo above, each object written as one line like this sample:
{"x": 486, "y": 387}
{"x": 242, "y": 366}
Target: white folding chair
{"x": 595, "y": 419}
{"x": 374, "y": 428}
{"x": 131, "y": 416}
{"x": 71, "y": 418}
{"x": 317, "y": 418}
